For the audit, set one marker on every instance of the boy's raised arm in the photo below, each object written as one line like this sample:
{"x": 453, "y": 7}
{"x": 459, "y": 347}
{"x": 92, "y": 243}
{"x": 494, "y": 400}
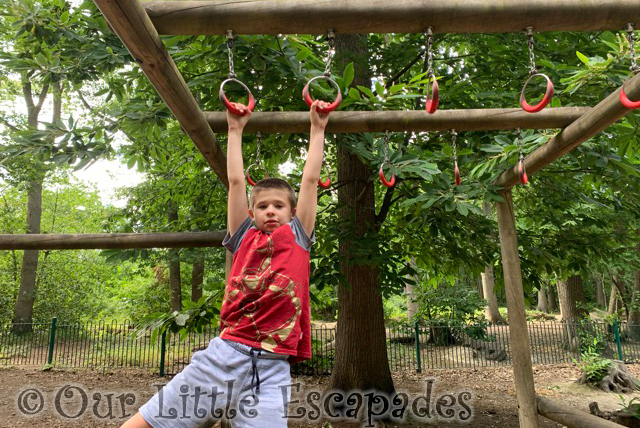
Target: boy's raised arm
{"x": 237, "y": 202}
{"x": 308, "y": 196}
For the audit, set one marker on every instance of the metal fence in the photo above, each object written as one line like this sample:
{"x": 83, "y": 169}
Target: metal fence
{"x": 415, "y": 347}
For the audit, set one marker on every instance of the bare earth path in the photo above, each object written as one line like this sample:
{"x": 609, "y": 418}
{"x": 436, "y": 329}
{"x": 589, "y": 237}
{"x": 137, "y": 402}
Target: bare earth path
{"x": 491, "y": 402}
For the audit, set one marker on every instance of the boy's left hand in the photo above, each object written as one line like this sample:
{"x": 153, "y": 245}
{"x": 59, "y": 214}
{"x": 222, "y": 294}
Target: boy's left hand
{"x": 318, "y": 119}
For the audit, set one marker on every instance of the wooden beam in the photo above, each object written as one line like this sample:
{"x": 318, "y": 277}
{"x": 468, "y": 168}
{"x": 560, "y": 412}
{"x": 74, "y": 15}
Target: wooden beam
{"x": 110, "y": 241}
{"x": 570, "y": 417}
{"x": 131, "y": 23}
{"x": 406, "y": 120}
{"x": 384, "y": 16}
{"x": 519, "y": 345}
{"x": 607, "y": 112}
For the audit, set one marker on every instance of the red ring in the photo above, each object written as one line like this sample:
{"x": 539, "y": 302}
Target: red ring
{"x": 548, "y": 95}
{"x": 434, "y": 98}
{"x": 391, "y": 181}
{"x": 522, "y": 173}
{"x": 624, "y": 99}
{"x": 324, "y": 184}
{"x": 456, "y": 172}
{"x": 306, "y": 96}
{"x": 248, "y": 176}
{"x": 232, "y": 108}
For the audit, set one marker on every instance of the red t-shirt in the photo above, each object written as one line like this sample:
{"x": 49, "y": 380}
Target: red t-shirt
{"x": 266, "y": 300}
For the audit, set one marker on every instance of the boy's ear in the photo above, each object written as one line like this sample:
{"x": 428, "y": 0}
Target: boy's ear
{"x": 293, "y": 212}
{"x": 251, "y": 214}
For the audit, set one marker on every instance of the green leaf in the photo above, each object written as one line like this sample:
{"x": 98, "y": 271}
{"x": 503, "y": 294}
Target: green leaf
{"x": 582, "y": 57}
{"x": 348, "y": 75}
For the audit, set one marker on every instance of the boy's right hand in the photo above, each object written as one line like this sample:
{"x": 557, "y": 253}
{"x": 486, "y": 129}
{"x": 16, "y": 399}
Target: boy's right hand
{"x": 237, "y": 123}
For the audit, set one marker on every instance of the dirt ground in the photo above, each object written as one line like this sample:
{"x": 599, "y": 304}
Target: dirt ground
{"x": 491, "y": 402}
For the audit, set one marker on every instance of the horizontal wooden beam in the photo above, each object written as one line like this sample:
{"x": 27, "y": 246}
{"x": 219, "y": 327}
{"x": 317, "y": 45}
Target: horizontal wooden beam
{"x": 111, "y": 241}
{"x": 571, "y": 417}
{"x": 384, "y": 16}
{"x": 604, "y": 114}
{"x": 131, "y": 23}
{"x": 406, "y": 120}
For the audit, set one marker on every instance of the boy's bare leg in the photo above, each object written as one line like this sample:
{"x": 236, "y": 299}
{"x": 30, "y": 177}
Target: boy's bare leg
{"x": 137, "y": 421}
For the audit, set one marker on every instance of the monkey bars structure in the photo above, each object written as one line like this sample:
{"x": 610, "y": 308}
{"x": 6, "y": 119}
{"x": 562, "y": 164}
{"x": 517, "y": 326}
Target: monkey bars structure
{"x": 138, "y": 24}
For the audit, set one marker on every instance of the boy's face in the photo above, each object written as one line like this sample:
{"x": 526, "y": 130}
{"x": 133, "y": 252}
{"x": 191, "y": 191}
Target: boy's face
{"x": 271, "y": 209}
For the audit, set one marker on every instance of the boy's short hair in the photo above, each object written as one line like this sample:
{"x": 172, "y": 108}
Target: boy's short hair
{"x": 273, "y": 183}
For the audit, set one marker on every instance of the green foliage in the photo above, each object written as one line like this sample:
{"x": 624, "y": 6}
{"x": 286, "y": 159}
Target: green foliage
{"x": 446, "y": 299}
{"x": 594, "y": 367}
{"x": 194, "y": 318}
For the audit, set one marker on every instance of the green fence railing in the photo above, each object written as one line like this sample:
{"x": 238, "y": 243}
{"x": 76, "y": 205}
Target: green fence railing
{"x": 421, "y": 346}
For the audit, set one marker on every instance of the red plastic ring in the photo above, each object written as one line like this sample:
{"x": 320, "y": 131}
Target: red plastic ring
{"x": 522, "y": 174}
{"x": 433, "y": 96}
{"x": 306, "y": 96}
{"x": 624, "y": 99}
{"x": 324, "y": 184}
{"x": 456, "y": 172}
{"x": 548, "y": 95}
{"x": 248, "y": 176}
{"x": 223, "y": 97}
{"x": 391, "y": 181}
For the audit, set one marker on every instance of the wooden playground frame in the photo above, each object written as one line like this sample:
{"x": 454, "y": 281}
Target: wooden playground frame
{"x": 138, "y": 24}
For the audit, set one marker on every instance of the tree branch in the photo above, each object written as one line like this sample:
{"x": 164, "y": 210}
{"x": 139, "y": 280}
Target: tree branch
{"x": 386, "y": 205}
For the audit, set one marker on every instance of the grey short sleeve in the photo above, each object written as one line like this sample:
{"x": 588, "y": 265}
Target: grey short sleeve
{"x": 232, "y": 243}
{"x": 302, "y": 239}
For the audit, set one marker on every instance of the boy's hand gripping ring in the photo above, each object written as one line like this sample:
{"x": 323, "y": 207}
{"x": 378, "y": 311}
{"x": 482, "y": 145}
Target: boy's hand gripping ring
{"x": 232, "y": 108}
{"x": 331, "y": 107}
{"x": 548, "y": 95}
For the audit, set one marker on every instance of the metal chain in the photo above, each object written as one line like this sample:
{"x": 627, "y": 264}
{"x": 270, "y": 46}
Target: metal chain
{"x": 331, "y": 39}
{"x": 429, "y": 35}
{"x": 632, "y": 38}
{"x": 386, "y": 146}
{"x": 230, "y": 37}
{"x": 532, "y": 58}
{"x": 454, "y": 137}
{"x": 519, "y": 140}
{"x": 259, "y": 142}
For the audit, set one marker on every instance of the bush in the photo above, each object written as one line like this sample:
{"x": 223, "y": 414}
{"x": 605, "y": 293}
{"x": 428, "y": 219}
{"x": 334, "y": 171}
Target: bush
{"x": 594, "y": 367}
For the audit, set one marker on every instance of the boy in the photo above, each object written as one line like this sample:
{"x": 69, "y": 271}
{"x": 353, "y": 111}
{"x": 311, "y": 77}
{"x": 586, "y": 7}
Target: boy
{"x": 265, "y": 318}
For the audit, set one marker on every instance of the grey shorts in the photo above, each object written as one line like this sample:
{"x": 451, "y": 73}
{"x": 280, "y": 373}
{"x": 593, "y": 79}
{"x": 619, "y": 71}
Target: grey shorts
{"x": 228, "y": 380}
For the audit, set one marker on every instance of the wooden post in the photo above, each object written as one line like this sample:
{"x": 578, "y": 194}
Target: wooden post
{"x": 105, "y": 241}
{"x": 406, "y": 120}
{"x": 519, "y": 337}
{"x": 384, "y": 16}
{"x": 570, "y": 417}
{"x": 132, "y": 24}
{"x": 604, "y": 114}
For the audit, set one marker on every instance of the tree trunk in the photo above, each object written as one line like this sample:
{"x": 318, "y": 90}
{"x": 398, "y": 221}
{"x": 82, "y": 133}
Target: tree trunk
{"x": 479, "y": 287}
{"x": 361, "y": 353}
{"x": 614, "y": 301}
{"x": 552, "y": 303}
{"x": 491, "y": 312}
{"x": 600, "y": 298}
{"x": 412, "y": 304}
{"x": 175, "y": 286}
{"x": 542, "y": 300}
{"x": 634, "y": 313}
{"x": 23, "y": 313}
{"x": 572, "y": 310}
{"x": 197, "y": 278}
{"x": 619, "y": 284}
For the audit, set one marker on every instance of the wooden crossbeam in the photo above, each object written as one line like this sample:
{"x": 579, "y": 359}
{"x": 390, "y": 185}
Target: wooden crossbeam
{"x": 130, "y": 22}
{"x": 604, "y": 114}
{"x": 406, "y": 120}
{"x": 110, "y": 241}
{"x": 384, "y": 16}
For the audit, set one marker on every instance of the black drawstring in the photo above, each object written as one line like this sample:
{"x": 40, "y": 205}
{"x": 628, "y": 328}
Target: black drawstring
{"x": 255, "y": 378}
